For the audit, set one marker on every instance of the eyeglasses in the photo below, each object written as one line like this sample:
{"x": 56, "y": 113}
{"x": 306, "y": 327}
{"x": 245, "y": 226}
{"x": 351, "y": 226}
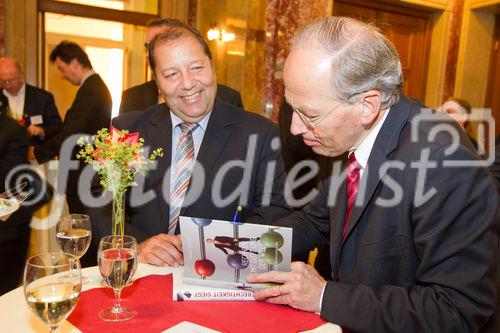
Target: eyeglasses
{"x": 312, "y": 122}
{"x": 10, "y": 81}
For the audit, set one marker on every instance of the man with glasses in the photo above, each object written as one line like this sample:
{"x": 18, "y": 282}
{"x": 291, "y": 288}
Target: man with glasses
{"x": 141, "y": 97}
{"x": 31, "y": 107}
{"x": 412, "y": 227}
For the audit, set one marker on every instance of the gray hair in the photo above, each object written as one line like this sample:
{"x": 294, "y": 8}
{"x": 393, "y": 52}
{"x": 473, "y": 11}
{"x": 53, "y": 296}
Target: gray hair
{"x": 363, "y": 58}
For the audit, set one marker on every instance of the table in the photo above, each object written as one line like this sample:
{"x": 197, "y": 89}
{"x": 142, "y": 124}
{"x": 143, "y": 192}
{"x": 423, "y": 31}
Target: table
{"x": 15, "y": 316}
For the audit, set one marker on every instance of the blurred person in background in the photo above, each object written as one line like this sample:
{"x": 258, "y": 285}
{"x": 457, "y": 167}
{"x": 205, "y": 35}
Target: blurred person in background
{"x": 32, "y": 107}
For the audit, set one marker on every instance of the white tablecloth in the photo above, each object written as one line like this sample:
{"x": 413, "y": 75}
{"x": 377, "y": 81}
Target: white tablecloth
{"x": 15, "y": 316}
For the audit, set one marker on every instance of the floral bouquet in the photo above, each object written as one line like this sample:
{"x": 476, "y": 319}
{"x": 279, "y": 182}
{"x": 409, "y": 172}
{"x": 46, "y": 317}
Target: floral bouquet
{"x": 117, "y": 156}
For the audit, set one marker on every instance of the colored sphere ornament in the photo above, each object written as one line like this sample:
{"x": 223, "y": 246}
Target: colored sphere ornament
{"x": 237, "y": 261}
{"x": 204, "y": 267}
{"x": 272, "y": 240}
{"x": 272, "y": 256}
{"x": 201, "y": 222}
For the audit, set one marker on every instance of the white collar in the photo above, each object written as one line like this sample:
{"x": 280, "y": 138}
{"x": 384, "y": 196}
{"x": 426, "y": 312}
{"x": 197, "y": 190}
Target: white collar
{"x": 362, "y": 153}
{"x": 202, "y": 123}
{"x": 19, "y": 93}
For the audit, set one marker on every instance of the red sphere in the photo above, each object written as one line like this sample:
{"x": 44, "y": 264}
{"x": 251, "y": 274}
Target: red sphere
{"x": 204, "y": 267}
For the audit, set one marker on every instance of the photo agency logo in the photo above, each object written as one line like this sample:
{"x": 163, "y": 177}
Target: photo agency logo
{"x": 233, "y": 180}
{"x": 480, "y": 118}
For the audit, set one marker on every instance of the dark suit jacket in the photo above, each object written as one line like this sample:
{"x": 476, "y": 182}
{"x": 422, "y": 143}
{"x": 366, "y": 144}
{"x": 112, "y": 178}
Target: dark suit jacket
{"x": 39, "y": 102}
{"x": 143, "y": 96}
{"x": 426, "y": 267}
{"x": 14, "y": 232}
{"x": 495, "y": 167}
{"x": 89, "y": 112}
{"x": 226, "y": 139}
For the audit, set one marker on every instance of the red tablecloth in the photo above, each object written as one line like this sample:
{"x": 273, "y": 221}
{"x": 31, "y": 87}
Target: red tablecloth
{"x": 151, "y": 297}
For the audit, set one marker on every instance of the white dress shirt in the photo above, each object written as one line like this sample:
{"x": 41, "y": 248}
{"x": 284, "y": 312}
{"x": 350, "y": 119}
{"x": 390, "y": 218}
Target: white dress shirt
{"x": 16, "y": 103}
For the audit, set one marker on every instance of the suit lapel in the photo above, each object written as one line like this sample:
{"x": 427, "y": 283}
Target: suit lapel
{"x": 159, "y": 134}
{"x": 217, "y": 134}
{"x": 337, "y": 214}
{"x": 386, "y": 142}
{"x": 28, "y": 102}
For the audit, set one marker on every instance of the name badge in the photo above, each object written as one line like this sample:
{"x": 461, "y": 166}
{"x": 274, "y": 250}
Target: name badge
{"x": 36, "y": 120}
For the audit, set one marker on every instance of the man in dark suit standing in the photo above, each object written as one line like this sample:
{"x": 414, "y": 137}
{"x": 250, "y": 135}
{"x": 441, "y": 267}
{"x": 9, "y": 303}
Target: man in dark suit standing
{"x": 411, "y": 223}
{"x": 141, "y": 97}
{"x": 32, "y": 107}
{"x": 89, "y": 112}
{"x": 233, "y": 157}
{"x": 15, "y": 231}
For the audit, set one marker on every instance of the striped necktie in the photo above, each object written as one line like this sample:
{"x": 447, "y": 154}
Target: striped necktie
{"x": 183, "y": 165}
{"x": 352, "y": 183}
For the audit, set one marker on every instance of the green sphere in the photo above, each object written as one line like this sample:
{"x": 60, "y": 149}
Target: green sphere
{"x": 272, "y": 256}
{"x": 272, "y": 240}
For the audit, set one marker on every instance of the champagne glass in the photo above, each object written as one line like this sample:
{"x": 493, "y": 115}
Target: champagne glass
{"x": 73, "y": 235}
{"x": 117, "y": 260}
{"x": 49, "y": 298}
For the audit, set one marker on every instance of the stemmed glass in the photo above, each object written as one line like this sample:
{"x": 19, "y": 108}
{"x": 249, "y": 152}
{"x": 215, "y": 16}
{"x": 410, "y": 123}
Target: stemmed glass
{"x": 117, "y": 260}
{"x": 73, "y": 235}
{"x": 49, "y": 298}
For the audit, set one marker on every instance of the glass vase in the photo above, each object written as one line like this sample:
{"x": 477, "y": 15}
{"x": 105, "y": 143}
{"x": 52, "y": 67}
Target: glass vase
{"x": 118, "y": 213}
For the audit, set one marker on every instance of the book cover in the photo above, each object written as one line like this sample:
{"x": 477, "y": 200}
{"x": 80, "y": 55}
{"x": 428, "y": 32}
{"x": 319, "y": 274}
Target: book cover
{"x": 222, "y": 253}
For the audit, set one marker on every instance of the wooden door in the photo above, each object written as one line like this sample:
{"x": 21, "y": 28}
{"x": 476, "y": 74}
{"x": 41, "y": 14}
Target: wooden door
{"x": 407, "y": 28}
{"x": 493, "y": 94}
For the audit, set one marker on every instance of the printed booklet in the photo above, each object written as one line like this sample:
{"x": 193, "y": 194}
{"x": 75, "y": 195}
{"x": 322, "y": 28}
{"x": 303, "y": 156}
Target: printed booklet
{"x": 221, "y": 254}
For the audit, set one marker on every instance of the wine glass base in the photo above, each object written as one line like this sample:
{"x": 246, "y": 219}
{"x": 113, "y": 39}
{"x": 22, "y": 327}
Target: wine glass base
{"x": 115, "y": 314}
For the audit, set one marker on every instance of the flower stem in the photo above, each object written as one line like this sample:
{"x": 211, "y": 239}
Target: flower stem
{"x": 118, "y": 213}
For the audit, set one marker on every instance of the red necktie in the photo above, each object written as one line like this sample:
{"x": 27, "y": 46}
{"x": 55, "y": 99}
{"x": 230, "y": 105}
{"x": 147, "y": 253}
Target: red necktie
{"x": 352, "y": 183}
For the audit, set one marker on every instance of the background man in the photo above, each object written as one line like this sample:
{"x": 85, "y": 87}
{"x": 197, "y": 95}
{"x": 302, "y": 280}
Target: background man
{"x": 89, "y": 112}
{"x": 32, "y": 107}
{"x": 15, "y": 231}
{"x": 460, "y": 110}
{"x": 145, "y": 95}
{"x": 413, "y": 244}
{"x": 194, "y": 125}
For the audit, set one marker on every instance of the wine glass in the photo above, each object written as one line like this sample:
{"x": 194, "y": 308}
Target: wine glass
{"x": 73, "y": 235}
{"x": 49, "y": 298}
{"x": 117, "y": 260}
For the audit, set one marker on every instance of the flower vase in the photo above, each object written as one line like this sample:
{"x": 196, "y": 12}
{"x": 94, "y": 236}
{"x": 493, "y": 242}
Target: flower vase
{"x": 118, "y": 213}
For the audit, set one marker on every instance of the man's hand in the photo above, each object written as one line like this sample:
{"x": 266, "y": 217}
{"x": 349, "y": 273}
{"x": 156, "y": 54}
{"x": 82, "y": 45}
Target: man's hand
{"x": 34, "y": 130}
{"x": 31, "y": 153}
{"x": 301, "y": 288}
{"x": 161, "y": 250}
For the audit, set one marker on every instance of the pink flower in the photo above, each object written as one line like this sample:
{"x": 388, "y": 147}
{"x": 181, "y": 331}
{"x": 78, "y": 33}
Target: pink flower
{"x": 130, "y": 138}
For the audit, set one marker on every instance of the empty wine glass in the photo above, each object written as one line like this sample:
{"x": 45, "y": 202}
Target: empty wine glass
{"x": 49, "y": 298}
{"x": 117, "y": 260}
{"x": 73, "y": 235}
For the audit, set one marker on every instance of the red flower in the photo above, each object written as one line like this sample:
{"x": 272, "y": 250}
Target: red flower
{"x": 130, "y": 138}
{"x": 22, "y": 122}
{"x": 95, "y": 155}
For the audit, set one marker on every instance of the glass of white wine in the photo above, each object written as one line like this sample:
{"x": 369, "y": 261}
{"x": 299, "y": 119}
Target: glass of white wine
{"x": 49, "y": 298}
{"x": 117, "y": 260}
{"x": 73, "y": 235}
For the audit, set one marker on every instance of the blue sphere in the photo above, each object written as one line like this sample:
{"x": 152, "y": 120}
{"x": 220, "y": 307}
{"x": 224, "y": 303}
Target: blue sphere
{"x": 237, "y": 261}
{"x": 201, "y": 222}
